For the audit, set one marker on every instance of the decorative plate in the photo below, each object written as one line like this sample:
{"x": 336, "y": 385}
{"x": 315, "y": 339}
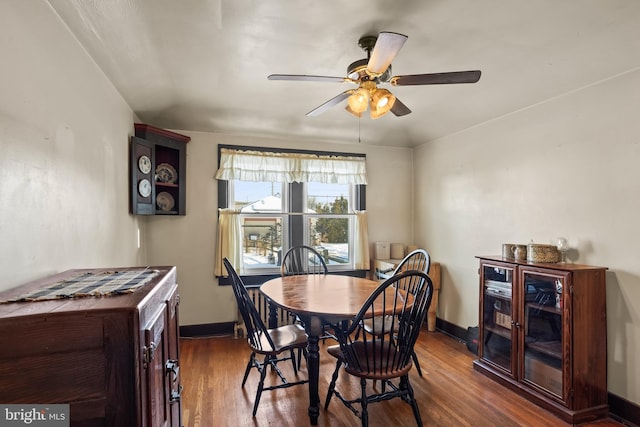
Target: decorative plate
{"x": 165, "y": 201}
{"x": 166, "y": 173}
{"x": 144, "y": 188}
{"x": 144, "y": 164}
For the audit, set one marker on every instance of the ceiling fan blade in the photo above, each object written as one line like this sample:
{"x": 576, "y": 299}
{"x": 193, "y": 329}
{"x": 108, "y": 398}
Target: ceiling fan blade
{"x": 330, "y": 103}
{"x": 387, "y": 47}
{"x": 305, "y": 78}
{"x": 399, "y": 109}
{"x": 436, "y": 78}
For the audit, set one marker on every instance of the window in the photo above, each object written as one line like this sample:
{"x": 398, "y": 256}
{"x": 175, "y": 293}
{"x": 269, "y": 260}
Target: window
{"x": 263, "y": 220}
{"x": 328, "y": 225}
{"x": 275, "y": 215}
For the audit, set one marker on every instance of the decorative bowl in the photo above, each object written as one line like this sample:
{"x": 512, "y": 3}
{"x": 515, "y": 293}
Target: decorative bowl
{"x": 542, "y": 253}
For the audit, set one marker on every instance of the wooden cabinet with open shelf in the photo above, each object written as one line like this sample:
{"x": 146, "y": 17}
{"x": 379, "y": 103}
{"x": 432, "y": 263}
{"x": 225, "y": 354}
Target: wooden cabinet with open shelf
{"x": 158, "y": 166}
{"x": 543, "y": 334}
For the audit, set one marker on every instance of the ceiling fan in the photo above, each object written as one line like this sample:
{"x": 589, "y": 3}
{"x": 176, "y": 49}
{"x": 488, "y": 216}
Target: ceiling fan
{"x": 368, "y": 73}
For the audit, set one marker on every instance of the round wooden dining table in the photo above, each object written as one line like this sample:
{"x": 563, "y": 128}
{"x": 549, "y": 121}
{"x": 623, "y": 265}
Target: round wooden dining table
{"x": 318, "y": 300}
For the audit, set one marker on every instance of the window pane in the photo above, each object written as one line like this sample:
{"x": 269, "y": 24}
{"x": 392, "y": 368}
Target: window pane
{"x": 330, "y": 237}
{"x": 262, "y": 246}
{"x": 257, "y": 196}
{"x": 328, "y": 198}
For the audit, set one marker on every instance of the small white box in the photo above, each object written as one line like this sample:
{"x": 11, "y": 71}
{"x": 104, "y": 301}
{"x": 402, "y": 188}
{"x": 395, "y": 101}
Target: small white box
{"x": 382, "y": 250}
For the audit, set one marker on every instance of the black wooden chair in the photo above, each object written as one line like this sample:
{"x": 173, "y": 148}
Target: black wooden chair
{"x": 270, "y": 343}
{"x": 299, "y": 260}
{"x": 418, "y": 260}
{"x": 387, "y": 353}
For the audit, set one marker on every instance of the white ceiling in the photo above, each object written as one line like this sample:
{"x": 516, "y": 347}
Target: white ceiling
{"x": 202, "y": 65}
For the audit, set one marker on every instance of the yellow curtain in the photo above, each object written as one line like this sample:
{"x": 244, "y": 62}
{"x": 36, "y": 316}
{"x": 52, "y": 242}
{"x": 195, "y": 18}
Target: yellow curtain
{"x": 290, "y": 167}
{"x": 229, "y": 242}
{"x": 361, "y": 242}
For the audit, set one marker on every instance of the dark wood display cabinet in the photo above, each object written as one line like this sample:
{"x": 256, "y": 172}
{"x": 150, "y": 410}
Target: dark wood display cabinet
{"x": 158, "y": 165}
{"x": 113, "y": 359}
{"x": 543, "y": 333}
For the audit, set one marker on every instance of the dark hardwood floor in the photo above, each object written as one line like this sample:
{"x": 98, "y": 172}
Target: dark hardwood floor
{"x": 449, "y": 394}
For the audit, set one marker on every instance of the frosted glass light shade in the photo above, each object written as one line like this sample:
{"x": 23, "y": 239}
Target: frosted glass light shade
{"x": 358, "y": 101}
{"x": 381, "y": 102}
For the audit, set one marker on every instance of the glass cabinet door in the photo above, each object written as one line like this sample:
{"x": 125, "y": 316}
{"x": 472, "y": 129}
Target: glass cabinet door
{"x": 543, "y": 334}
{"x": 497, "y": 312}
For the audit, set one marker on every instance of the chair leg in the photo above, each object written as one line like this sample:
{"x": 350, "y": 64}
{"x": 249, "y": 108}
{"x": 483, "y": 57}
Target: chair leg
{"x": 332, "y": 385}
{"x": 302, "y": 352}
{"x": 263, "y": 373}
{"x": 248, "y": 368}
{"x": 293, "y": 362}
{"x": 415, "y": 362}
{"x": 364, "y": 413}
{"x": 405, "y": 384}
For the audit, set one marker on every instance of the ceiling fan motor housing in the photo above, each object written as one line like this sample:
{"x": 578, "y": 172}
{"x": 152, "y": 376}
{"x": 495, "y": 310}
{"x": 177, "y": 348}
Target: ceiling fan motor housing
{"x": 358, "y": 71}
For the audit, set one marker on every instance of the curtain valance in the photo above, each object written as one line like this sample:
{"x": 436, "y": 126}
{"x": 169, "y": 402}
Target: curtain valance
{"x": 267, "y": 166}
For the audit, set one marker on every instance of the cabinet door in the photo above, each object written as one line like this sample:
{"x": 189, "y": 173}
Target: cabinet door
{"x": 156, "y": 393}
{"x": 498, "y": 323}
{"x": 545, "y": 355}
{"x": 173, "y": 363}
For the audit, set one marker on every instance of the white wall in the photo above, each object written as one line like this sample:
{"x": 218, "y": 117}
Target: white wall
{"x": 64, "y": 134}
{"x": 567, "y": 167}
{"x": 189, "y": 242}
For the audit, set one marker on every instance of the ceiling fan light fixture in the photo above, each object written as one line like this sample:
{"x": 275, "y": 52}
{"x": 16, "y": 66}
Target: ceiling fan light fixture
{"x": 359, "y": 100}
{"x": 381, "y": 102}
{"x": 376, "y": 114}
{"x": 358, "y": 115}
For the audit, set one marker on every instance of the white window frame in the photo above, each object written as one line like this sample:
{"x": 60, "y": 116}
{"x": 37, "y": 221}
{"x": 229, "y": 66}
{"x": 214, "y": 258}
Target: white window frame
{"x": 357, "y": 202}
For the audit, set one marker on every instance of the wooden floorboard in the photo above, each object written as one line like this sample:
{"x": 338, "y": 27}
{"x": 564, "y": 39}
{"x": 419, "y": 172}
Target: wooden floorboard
{"x": 450, "y": 393}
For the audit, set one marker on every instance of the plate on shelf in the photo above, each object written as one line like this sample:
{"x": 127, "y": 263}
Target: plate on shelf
{"x": 144, "y": 187}
{"x": 165, "y": 201}
{"x": 144, "y": 164}
{"x": 166, "y": 173}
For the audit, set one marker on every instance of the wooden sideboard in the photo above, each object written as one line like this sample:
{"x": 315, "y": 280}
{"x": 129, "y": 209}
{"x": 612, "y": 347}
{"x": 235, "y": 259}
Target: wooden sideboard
{"x": 113, "y": 359}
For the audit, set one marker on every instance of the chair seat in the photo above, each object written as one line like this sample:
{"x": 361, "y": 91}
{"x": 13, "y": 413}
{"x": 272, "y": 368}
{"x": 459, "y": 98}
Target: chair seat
{"x": 284, "y": 338}
{"x": 380, "y": 323}
{"x": 372, "y": 366}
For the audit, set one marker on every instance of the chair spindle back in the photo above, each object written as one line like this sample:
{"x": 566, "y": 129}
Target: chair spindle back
{"x": 405, "y": 297}
{"x": 302, "y": 259}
